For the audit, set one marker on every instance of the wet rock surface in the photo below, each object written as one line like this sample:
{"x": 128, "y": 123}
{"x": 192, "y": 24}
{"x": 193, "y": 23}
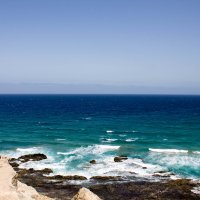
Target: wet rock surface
{"x": 107, "y": 178}
{"x": 176, "y": 189}
{"x": 60, "y": 177}
{"x": 28, "y": 157}
{"x": 108, "y": 187}
{"x": 120, "y": 158}
{"x": 32, "y": 157}
{"x": 93, "y": 161}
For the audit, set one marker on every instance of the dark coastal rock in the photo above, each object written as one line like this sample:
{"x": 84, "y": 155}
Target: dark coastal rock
{"x": 181, "y": 184}
{"x": 42, "y": 171}
{"x": 162, "y": 172}
{"x": 106, "y": 178}
{"x": 33, "y": 172}
{"x": 93, "y": 161}
{"x": 64, "y": 178}
{"x": 172, "y": 190}
{"x": 32, "y": 157}
{"x": 12, "y": 160}
{"x": 120, "y": 158}
{"x": 14, "y": 164}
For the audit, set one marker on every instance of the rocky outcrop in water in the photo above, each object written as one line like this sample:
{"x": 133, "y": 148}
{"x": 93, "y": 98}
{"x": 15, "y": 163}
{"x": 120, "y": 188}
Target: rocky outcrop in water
{"x": 93, "y": 161}
{"x": 120, "y": 158}
{"x": 32, "y": 157}
{"x": 28, "y": 157}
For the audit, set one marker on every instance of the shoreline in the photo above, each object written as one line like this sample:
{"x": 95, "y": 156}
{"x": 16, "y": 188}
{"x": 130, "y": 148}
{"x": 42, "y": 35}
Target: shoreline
{"x": 106, "y": 187}
{"x": 13, "y": 189}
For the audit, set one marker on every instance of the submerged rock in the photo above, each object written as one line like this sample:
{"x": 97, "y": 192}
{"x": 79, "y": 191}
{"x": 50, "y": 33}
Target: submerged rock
{"x": 120, "y": 158}
{"x": 85, "y": 194}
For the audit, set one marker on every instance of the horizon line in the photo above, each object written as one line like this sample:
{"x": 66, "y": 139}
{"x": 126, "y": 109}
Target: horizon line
{"x": 99, "y": 94}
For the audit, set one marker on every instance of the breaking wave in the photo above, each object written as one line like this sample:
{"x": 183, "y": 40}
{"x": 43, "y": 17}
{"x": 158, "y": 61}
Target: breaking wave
{"x": 168, "y": 150}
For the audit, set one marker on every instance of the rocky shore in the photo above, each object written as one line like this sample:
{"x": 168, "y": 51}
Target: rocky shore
{"x": 13, "y": 189}
{"x": 106, "y": 187}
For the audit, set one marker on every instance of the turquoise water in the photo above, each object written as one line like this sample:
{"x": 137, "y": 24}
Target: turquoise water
{"x": 155, "y": 132}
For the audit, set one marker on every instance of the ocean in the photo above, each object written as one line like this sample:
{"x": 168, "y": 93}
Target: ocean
{"x": 157, "y": 133}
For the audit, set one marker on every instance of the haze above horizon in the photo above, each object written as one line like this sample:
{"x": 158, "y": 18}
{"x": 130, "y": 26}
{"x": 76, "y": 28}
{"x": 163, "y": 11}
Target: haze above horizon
{"x": 98, "y": 46}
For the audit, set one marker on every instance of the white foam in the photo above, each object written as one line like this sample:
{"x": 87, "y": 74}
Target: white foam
{"x": 176, "y": 161}
{"x": 130, "y": 140}
{"x": 47, "y": 163}
{"x": 196, "y": 152}
{"x": 107, "y": 166}
{"x": 110, "y": 140}
{"x": 31, "y": 149}
{"x": 105, "y": 163}
{"x": 23, "y": 151}
{"x": 94, "y": 149}
{"x": 109, "y": 131}
{"x": 108, "y": 147}
{"x": 62, "y": 153}
{"x": 196, "y": 190}
{"x": 168, "y": 150}
{"x": 122, "y": 135}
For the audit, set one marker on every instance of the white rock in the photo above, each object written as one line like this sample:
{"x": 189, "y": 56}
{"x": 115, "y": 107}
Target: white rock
{"x": 85, "y": 194}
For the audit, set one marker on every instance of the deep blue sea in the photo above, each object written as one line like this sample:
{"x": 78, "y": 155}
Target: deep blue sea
{"x": 155, "y": 132}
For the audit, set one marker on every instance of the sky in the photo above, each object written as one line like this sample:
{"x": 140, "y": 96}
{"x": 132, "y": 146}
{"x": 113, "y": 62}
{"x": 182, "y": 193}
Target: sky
{"x": 100, "y": 46}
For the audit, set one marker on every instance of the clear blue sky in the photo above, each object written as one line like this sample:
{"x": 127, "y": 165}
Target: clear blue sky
{"x": 152, "y": 43}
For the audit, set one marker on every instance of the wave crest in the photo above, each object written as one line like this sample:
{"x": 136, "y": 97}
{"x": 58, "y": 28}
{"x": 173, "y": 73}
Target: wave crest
{"x": 168, "y": 150}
